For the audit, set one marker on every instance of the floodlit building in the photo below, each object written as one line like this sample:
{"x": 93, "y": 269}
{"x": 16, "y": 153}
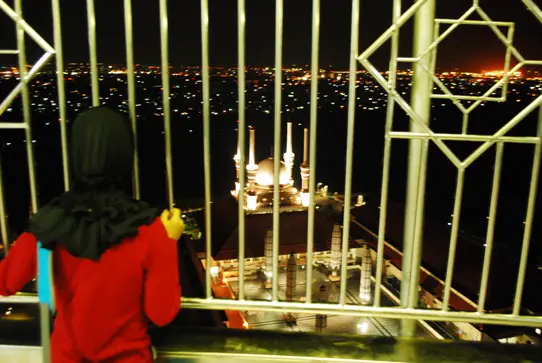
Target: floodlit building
{"x": 259, "y": 183}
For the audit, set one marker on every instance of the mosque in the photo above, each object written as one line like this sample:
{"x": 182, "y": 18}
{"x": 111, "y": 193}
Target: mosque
{"x": 259, "y": 186}
{"x": 258, "y": 204}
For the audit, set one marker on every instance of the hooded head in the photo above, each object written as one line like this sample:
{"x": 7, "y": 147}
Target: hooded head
{"x": 98, "y": 212}
{"x": 102, "y": 150}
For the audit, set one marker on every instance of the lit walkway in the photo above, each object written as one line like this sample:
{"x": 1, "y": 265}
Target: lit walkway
{"x": 336, "y": 324}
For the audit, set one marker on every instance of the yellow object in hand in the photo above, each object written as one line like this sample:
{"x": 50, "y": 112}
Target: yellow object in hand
{"x": 173, "y": 223}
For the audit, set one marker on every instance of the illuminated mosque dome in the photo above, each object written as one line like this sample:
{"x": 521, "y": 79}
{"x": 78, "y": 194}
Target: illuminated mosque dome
{"x": 258, "y": 184}
{"x": 265, "y": 173}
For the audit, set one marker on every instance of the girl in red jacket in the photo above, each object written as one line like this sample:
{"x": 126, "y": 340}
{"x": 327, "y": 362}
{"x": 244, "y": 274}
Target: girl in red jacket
{"x": 114, "y": 262}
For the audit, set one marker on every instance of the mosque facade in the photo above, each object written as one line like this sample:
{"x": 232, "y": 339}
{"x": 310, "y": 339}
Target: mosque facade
{"x": 259, "y": 183}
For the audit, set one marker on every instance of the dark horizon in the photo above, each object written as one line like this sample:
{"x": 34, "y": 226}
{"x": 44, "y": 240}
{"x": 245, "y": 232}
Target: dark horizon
{"x": 184, "y": 33}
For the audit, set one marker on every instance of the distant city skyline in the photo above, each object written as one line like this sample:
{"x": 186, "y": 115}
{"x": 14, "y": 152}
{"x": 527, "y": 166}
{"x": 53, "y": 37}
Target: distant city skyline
{"x": 121, "y": 68}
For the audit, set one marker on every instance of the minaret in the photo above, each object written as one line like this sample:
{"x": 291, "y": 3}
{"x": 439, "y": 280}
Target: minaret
{"x": 251, "y": 200}
{"x": 335, "y": 263}
{"x": 291, "y": 274}
{"x": 252, "y": 167}
{"x": 289, "y": 155}
{"x": 237, "y": 160}
{"x": 365, "y": 278}
{"x": 268, "y": 247}
{"x": 305, "y": 171}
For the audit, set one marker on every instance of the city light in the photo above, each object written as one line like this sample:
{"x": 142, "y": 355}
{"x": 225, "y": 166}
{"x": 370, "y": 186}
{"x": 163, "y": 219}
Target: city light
{"x": 363, "y": 327}
{"x": 360, "y": 201}
{"x": 499, "y": 73}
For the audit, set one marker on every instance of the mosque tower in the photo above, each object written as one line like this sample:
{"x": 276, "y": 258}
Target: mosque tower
{"x": 291, "y": 275}
{"x": 365, "y": 278}
{"x": 289, "y": 155}
{"x": 252, "y": 167}
{"x": 268, "y": 247}
{"x": 305, "y": 170}
{"x": 237, "y": 160}
{"x": 336, "y": 237}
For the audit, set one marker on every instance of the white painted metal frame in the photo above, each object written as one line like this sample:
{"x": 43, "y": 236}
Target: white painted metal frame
{"x": 424, "y": 134}
{"x": 499, "y": 137}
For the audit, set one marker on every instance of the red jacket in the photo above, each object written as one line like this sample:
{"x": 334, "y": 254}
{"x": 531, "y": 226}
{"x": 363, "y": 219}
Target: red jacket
{"x": 103, "y": 307}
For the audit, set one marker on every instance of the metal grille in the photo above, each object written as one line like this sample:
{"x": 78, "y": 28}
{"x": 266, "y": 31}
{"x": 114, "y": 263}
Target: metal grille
{"x": 427, "y": 37}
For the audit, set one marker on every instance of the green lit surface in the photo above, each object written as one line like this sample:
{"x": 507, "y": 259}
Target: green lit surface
{"x": 202, "y": 345}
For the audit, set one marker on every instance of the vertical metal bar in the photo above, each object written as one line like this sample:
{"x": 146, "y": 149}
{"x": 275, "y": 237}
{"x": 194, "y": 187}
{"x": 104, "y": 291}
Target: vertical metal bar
{"x": 3, "y": 222}
{"x": 91, "y": 20}
{"x": 25, "y": 96}
{"x": 279, "y": 10}
{"x": 45, "y": 297}
{"x": 44, "y": 312}
{"x": 241, "y": 131}
{"x": 315, "y": 72}
{"x": 45, "y": 332}
{"x": 465, "y": 124}
{"x": 130, "y": 77}
{"x": 206, "y": 140}
{"x": 354, "y": 36}
{"x": 491, "y": 226}
{"x": 61, "y": 90}
{"x": 453, "y": 238}
{"x": 436, "y": 32}
{"x": 418, "y": 231}
{"x": 507, "y": 58}
{"x": 422, "y": 87}
{"x": 387, "y": 155}
{"x": 166, "y": 95}
{"x": 529, "y": 218}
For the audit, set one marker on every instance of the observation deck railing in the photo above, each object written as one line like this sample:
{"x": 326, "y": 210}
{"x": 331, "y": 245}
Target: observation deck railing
{"x": 427, "y": 37}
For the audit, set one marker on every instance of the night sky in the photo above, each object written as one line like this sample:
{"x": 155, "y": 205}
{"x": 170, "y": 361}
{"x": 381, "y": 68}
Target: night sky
{"x": 470, "y": 48}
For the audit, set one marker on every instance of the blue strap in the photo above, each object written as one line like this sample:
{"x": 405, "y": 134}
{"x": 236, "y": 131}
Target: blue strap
{"x": 45, "y": 277}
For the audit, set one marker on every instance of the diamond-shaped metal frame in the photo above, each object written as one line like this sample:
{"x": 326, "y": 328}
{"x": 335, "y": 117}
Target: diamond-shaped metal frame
{"x": 486, "y": 21}
{"x": 486, "y": 97}
{"x": 363, "y": 58}
{"x": 498, "y": 137}
{"x": 24, "y": 78}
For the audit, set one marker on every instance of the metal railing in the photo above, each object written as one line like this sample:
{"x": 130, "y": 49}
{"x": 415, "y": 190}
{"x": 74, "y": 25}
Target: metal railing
{"x": 427, "y": 37}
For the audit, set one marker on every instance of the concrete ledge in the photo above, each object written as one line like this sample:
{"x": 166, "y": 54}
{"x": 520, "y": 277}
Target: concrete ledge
{"x": 264, "y": 345}
{"x": 205, "y": 345}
